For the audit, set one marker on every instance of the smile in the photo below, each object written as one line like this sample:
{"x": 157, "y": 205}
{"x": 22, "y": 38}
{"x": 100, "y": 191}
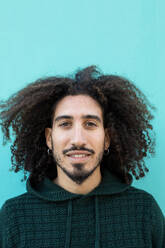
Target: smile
{"x": 79, "y": 158}
{"x": 78, "y": 155}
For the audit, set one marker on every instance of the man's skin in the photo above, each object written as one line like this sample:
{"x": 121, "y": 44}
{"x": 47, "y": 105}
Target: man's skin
{"x": 78, "y": 130}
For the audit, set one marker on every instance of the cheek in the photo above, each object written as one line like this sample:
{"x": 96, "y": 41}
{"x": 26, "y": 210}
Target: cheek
{"x": 97, "y": 140}
{"x": 60, "y": 139}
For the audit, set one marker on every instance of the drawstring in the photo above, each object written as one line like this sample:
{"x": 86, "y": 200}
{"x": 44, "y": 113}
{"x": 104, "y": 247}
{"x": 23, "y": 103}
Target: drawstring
{"x": 68, "y": 225}
{"x": 97, "y": 223}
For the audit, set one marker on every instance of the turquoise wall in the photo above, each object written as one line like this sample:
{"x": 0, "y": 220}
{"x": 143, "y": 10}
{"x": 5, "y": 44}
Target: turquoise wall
{"x": 41, "y": 38}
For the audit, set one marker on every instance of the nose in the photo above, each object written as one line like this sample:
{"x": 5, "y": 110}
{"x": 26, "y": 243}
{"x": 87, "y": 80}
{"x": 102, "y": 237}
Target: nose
{"x": 78, "y": 136}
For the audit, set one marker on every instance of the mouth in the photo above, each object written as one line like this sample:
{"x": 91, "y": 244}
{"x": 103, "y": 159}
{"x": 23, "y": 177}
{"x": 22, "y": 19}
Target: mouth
{"x": 79, "y": 156}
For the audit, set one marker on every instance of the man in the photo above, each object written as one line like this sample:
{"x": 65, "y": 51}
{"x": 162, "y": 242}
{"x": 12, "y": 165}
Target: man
{"x": 82, "y": 140}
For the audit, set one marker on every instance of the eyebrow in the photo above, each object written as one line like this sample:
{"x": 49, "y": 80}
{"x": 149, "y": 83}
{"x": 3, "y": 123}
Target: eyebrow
{"x": 94, "y": 117}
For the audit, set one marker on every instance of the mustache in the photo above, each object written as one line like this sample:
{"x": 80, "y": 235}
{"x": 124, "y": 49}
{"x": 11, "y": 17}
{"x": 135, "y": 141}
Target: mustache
{"x": 78, "y": 149}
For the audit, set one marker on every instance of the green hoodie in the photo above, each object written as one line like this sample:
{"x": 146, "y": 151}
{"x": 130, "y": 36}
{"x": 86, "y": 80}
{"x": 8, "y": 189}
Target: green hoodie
{"x": 113, "y": 215}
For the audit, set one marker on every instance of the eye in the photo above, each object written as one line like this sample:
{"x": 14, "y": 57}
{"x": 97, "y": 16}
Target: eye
{"x": 65, "y": 124}
{"x": 91, "y": 124}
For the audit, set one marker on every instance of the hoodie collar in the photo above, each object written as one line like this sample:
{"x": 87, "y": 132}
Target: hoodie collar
{"x": 47, "y": 190}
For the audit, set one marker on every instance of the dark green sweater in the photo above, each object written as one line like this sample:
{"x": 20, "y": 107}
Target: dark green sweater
{"x": 113, "y": 215}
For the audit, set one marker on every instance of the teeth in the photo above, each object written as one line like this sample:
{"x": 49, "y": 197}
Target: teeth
{"x": 79, "y": 155}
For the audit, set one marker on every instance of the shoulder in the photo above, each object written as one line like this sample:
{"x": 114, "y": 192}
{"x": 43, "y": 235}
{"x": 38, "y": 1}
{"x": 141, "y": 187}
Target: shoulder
{"x": 14, "y": 208}
{"x": 11, "y": 211}
{"x": 16, "y": 199}
{"x": 142, "y": 196}
{"x": 15, "y": 203}
{"x": 149, "y": 203}
{"x": 140, "y": 193}
{"x": 146, "y": 203}
{"x": 8, "y": 209}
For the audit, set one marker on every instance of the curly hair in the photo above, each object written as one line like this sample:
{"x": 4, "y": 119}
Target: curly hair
{"x": 127, "y": 116}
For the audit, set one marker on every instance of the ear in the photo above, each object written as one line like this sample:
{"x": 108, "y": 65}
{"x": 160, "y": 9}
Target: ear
{"x": 48, "y": 135}
{"x": 107, "y": 139}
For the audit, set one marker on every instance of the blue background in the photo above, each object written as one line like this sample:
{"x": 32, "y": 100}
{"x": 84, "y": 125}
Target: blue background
{"x": 47, "y": 37}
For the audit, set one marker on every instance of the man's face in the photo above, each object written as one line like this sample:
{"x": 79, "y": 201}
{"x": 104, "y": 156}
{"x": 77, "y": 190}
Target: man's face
{"x": 77, "y": 138}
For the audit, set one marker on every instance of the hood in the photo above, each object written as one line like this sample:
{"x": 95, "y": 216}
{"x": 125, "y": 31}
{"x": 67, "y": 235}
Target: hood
{"x": 49, "y": 191}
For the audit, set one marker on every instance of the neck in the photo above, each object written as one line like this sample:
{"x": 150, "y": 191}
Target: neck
{"x": 87, "y": 186}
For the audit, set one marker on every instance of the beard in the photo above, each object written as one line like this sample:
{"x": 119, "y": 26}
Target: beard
{"x": 79, "y": 175}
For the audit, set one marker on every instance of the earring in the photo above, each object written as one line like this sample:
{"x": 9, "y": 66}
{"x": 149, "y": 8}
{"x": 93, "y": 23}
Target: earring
{"x": 49, "y": 152}
{"x": 106, "y": 152}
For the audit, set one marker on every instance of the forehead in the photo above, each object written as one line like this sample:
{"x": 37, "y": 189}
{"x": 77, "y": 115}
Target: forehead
{"x": 78, "y": 106}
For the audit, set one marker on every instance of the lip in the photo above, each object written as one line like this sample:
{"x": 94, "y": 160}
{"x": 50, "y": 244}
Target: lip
{"x": 78, "y": 153}
{"x": 79, "y": 159}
